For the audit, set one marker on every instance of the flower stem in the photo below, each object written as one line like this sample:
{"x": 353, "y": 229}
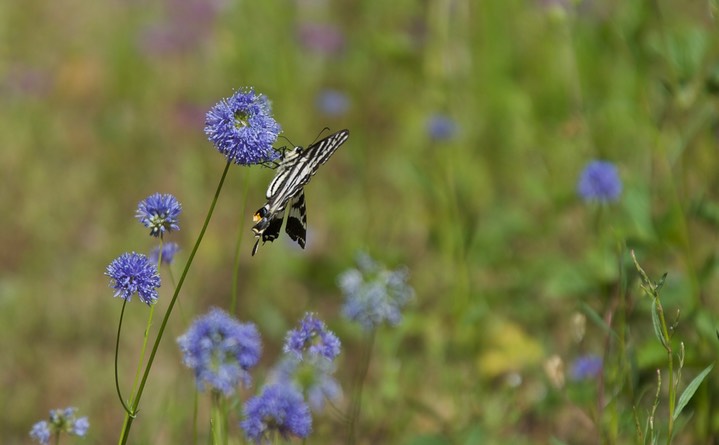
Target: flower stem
{"x": 136, "y": 402}
{"x": 117, "y": 348}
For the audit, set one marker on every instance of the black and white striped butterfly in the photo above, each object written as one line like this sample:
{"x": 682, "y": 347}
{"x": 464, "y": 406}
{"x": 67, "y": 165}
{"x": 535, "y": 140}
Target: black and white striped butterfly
{"x": 295, "y": 168}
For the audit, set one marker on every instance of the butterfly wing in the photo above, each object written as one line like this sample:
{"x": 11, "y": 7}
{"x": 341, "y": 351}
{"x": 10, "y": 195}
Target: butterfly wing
{"x": 296, "y": 226}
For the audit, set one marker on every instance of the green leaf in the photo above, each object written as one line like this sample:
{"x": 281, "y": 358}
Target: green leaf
{"x": 657, "y": 324}
{"x": 690, "y": 390}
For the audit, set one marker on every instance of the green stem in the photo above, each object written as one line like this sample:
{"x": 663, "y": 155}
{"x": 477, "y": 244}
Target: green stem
{"x": 217, "y": 422}
{"x": 117, "y": 349}
{"x": 128, "y": 420}
{"x": 236, "y": 266}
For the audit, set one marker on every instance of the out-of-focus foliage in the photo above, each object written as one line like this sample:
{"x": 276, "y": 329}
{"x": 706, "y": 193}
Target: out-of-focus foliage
{"x": 515, "y": 276}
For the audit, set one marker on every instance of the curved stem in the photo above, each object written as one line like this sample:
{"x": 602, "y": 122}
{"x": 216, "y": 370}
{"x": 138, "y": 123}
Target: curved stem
{"x": 136, "y": 401}
{"x": 357, "y": 399}
{"x": 117, "y": 349}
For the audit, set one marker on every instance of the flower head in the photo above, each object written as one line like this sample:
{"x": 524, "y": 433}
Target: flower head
{"x": 159, "y": 213}
{"x": 220, "y": 350}
{"x": 132, "y": 273}
{"x": 61, "y": 420}
{"x": 441, "y": 127}
{"x": 41, "y": 432}
{"x": 242, "y": 128}
{"x": 279, "y": 408}
{"x": 312, "y": 338}
{"x": 168, "y": 253}
{"x": 332, "y": 102}
{"x": 586, "y": 367}
{"x": 374, "y": 294}
{"x": 312, "y": 377}
{"x": 600, "y": 181}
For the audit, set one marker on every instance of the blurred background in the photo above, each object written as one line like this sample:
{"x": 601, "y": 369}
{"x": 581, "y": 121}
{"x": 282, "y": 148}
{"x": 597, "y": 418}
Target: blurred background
{"x": 471, "y": 122}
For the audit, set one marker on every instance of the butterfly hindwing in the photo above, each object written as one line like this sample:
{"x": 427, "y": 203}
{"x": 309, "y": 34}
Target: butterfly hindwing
{"x": 296, "y": 226}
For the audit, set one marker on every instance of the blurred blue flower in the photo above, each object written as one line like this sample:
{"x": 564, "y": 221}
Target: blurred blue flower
{"x": 599, "y": 181}
{"x": 220, "y": 350}
{"x": 312, "y": 377}
{"x": 132, "y": 273}
{"x": 168, "y": 253}
{"x": 332, "y": 102}
{"x": 242, "y": 128}
{"x": 312, "y": 338}
{"x": 61, "y": 421}
{"x": 586, "y": 367}
{"x": 441, "y": 127}
{"x": 159, "y": 213}
{"x": 374, "y": 294}
{"x": 279, "y": 408}
{"x": 321, "y": 38}
{"x": 41, "y": 432}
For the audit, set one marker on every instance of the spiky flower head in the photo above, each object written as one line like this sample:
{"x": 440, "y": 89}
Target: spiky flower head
{"x": 279, "y": 408}
{"x": 61, "y": 421}
{"x": 600, "y": 182}
{"x": 373, "y": 294}
{"x": 159, "y": 213}
{"x": 132, "y": 273}
{"x": 242, "y": 128}
{"x": 220, "y": 350}
{"x": 313, "y": 339}
{"x": 441, "y": 127}
{"x": 168, "y": 253}
{"x": 312, "y": 377}
{"x": 586, "y": 367}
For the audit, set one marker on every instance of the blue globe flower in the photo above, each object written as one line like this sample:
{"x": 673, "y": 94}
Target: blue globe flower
{"x": 332, "y": 102}
{"x": 168, "y": 253}
{"x": 586, "y": 367}
{"x": 373, "y": 294}
{"x": 61, "y": 421}
{"x": 41, "y": 432}
{"x": 600, "y": 181}
{"x": 279, "y": 408}
{"x": 220, "y": 350}
{"x": 312, "y": 377}
{"x": 242, "y": 128}
{"x": 312, "y": 338}
{"x": 441, "y": 127}
{"x": 132, "y": 273}
{"x": 159, "y": 213}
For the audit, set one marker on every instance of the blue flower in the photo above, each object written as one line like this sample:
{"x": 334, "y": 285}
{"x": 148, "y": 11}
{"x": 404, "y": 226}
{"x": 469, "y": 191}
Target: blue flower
{"x": 441, "y": 127}
{"x": 132, "y": 273}
{"x": 278, "y": 408}
{"x": 312, "y": 338}
{"x": 332, "y": 102}
{"x": 220, "y": 350}
{"x": 61, "y": 420}
{"x": 168, "y": 253}
{"x": 586, "y": 367}
{"x": 159, "y": 213}
{"x": 41, "y": 432}
{"x": 373, "y": 294}
{"x": 242, "y": 128}
{"x": 600, "y": 181}
{"x": 311, "y": 377}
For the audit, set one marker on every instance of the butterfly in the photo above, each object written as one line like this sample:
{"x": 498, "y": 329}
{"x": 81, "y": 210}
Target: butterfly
{"x": 295, "y": 168}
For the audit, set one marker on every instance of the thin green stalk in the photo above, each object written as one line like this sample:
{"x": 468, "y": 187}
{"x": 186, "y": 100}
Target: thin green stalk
{"x": 194, "y": 417}
{"x": 359, "y": 385}
{"x": 117, "y": 349}
{"x": 136, "y": 402}
{"x": 218, "y": 434}
{"x": 236, "y": 266}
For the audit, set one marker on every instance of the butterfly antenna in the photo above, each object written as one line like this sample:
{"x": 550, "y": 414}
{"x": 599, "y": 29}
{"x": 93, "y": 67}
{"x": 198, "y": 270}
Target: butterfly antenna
{"x": 320, "y": 134}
